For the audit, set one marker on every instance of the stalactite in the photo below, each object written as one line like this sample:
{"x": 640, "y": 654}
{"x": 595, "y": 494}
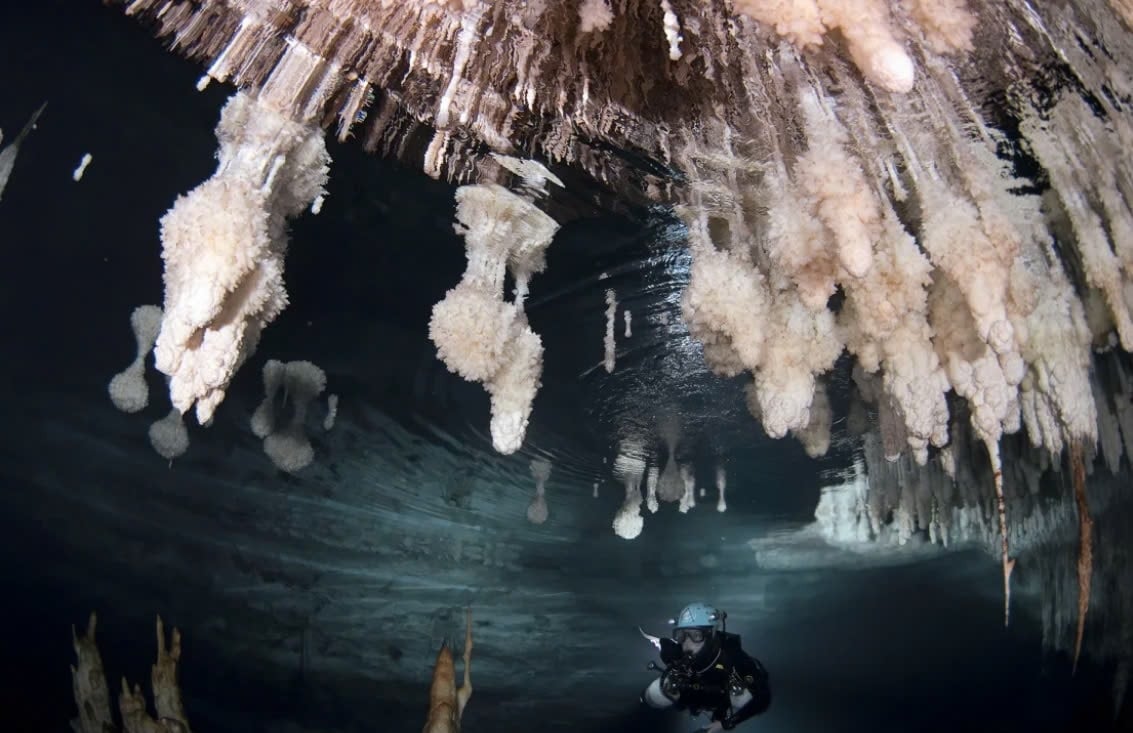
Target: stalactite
{"x": 1001, "y": 510}
{"x": 1085, "y": 545}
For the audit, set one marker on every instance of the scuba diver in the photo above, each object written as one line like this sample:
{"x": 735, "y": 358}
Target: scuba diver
{"x": 707, "y": 671}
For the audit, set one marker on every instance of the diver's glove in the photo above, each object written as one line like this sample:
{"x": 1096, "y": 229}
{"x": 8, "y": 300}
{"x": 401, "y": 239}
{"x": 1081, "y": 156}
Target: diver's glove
{"x": 675, "y": 680}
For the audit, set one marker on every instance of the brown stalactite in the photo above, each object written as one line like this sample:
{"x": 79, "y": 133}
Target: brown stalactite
{"x": 1085, "y": 544}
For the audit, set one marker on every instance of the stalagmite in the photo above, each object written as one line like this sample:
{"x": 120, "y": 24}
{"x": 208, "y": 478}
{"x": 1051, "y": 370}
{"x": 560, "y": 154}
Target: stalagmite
{"x": 163, "y": 678}
{"x": 93, "y": 698}
{"x": 446, "y": 700}
{"x": 88, "y": 678}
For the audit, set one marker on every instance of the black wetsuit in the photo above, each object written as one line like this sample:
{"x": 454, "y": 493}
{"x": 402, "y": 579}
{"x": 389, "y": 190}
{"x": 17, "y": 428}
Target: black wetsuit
{"x": 707, "y": 684}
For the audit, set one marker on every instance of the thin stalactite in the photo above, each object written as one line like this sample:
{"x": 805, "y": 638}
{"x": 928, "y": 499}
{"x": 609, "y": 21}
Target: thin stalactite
{"x": 1085, "y": 545}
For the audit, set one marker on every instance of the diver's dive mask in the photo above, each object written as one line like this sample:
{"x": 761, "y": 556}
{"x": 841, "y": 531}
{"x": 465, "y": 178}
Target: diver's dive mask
{"x": 696, "y": 636}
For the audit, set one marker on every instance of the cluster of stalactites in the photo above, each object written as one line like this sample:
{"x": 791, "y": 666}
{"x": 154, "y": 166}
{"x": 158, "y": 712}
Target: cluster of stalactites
{"x": 889, "y": 192}
{"x": 946, "y": 501}
{"x": 538, "y": 76}
{"x": 950, "y": 279}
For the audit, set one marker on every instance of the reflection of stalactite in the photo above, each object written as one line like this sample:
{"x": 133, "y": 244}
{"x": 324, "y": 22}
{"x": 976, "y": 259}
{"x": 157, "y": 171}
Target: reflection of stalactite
{"x": 1067, "y": 527}
{"x": 1085, "y": 545}
{"x": 1068, "y": 534}
{"x": 608, "y": 343}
